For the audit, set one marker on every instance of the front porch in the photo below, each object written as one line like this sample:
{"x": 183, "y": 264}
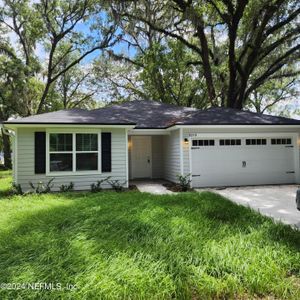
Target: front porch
{"x": 155, "y": 154}
{"x": 146, "y": 156}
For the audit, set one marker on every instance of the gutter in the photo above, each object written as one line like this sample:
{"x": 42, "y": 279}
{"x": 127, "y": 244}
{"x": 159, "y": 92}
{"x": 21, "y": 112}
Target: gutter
{"x": 253, "y": 126}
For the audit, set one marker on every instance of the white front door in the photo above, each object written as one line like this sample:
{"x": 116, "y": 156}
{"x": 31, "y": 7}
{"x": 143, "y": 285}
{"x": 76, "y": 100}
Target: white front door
{"x": 141, "y": 157}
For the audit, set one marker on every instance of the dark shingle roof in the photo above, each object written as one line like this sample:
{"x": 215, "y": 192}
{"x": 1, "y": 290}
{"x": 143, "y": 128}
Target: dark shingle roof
{"x": 72, "y": 116}
{"x": 230, "y": 116}
{"x": 151, "y": 114}
{"x": 147, "y": 114}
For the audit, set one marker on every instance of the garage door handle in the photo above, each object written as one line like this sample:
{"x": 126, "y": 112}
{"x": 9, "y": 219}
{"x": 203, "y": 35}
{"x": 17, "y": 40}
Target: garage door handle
{"x": 196, "y": 175}
{"x": 244, "y": 164}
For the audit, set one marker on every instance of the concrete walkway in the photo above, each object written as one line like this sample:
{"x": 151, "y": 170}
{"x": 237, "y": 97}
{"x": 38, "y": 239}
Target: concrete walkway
{"x": 150, "y": 186}
{"x": 276, "y": 201}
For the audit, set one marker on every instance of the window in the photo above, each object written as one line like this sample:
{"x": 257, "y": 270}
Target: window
{"x": 203, "y": 143}
{"x": 72, "y": 152}
{"x": 86, "y": 152}
{"x": 230, "y": 142}
{"x": 250, "y": 142}
{"x": 281, "y": 141}
{"x": 60, "y": 150}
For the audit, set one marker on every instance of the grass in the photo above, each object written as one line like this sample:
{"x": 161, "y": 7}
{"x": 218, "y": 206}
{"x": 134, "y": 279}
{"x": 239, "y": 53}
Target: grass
{"x": 5, "y": 183}
{"x": 140, "y": 246}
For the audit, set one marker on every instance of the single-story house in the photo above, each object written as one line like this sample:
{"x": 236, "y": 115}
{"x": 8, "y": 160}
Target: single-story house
{"x": 148, "y": 139}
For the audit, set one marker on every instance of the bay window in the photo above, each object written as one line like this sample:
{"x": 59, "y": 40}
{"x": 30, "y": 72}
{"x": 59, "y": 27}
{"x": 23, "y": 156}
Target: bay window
{"x": 73, "y": 152}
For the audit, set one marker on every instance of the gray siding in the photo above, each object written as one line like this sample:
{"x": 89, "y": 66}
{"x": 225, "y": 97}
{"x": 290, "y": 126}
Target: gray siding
{"x": 157, "y": 156}
{"x": 25, "y": 162}
{"x": 190, "y": 131}
{"x": 172, "y": 156}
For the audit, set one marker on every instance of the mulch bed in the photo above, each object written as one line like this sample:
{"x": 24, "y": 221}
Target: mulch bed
{"x": 173, "y": 187}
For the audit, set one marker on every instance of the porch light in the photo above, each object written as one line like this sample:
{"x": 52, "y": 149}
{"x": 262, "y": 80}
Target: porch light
{"x": 186, "y": 141}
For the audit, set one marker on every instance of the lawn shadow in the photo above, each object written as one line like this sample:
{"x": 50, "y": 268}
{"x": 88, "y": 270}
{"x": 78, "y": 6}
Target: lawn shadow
{"x": 66, "y": 237}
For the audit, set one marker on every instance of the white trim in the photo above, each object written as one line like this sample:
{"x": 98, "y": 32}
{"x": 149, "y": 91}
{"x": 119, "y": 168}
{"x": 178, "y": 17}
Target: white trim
{"x": 149, "y": 132}
{"x": 297, "y": 158}
{"x": 190, "y": 161}
{"x": 242, "y": 135}
{"x": 74, "y": 172}
{"x": 126, "y": 158}
{"x": 99, "y": 152}
{"x": 46, "y": 125}
{"x": 181, "y": 150}
{"x": 231, "y": 126}
{"x": 74, "y": 153}
{"x": 15, "y": 157}
{"x": 73, "y": 130}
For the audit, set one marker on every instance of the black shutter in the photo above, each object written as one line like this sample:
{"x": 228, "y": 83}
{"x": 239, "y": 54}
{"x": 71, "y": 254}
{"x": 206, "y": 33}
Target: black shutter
{"x": 40, "y": 152}
{"x": 106, "y": 151}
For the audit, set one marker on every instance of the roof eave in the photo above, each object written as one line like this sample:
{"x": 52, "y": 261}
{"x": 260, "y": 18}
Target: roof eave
{"x": 178, "y": 126}
{"x": 14, "y": 125}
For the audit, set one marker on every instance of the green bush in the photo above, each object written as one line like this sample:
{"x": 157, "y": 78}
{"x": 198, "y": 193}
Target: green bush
{"x": 17, "y": 189}
{"x": 96, "y": 187}
{"x": 184, "y": 182}
{"x": 67, "y": 187}
{"x": 41, "y": 187}
{"x": 117, "y": 185}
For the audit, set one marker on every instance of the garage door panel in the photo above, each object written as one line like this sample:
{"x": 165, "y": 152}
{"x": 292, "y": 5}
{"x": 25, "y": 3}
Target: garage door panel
{"x": 242, "y": 165}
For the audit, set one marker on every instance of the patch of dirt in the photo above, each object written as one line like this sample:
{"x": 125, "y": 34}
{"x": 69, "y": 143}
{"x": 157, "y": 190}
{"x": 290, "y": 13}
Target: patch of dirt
{"x": 173, "y": 187}
{"x": 132, "y": 188}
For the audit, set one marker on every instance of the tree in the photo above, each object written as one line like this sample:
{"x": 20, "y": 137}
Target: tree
{"x": 117, "y": 80}
{"x": 28, "y": 79}
{"x": 168, "y": 75}
{"x": 152, "y": 67}
{"x": 232, "y": 40}
{"x": 275, "y": 96}
{"x": 74, "y": 88}
{"x": 52, "y": 25}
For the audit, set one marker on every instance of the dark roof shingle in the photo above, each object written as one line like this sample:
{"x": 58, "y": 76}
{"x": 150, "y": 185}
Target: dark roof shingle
{"x": 230, "y": 116}
{"x": 150, "y": 114}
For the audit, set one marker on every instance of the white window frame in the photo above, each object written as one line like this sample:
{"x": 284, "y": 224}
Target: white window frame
{"x": 73, "y": 152}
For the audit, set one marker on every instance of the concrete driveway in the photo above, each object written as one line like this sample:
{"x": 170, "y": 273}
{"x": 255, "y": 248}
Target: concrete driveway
{"x": 276, "y": 201}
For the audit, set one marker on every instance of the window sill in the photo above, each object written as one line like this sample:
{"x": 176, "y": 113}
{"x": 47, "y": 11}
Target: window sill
{"x": 79, "y": 173}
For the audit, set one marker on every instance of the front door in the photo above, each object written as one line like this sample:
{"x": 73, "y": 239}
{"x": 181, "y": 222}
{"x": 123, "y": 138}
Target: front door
{"x": 141, "y": 157}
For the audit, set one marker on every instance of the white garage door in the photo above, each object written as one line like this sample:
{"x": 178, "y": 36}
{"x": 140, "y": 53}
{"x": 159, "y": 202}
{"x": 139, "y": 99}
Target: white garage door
{"x": 242, "y": 161}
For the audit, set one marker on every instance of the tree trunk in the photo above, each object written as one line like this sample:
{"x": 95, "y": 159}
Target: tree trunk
{"x": 7, "y": 151}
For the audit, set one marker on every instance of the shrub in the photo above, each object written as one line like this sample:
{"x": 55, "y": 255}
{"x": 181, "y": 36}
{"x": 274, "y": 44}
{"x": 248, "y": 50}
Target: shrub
{"x": 42, "y": 188}
{"x": 67, "y": 187}
{"x": 96, "y": 187}
{"x": 117, "y": 185}
{"x": 17, "y": 189}
{"x": 184, "y": 182}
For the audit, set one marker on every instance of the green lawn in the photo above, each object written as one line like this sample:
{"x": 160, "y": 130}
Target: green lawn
{"x": 140, "y": 246}
{"x": 5, "y": 183}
